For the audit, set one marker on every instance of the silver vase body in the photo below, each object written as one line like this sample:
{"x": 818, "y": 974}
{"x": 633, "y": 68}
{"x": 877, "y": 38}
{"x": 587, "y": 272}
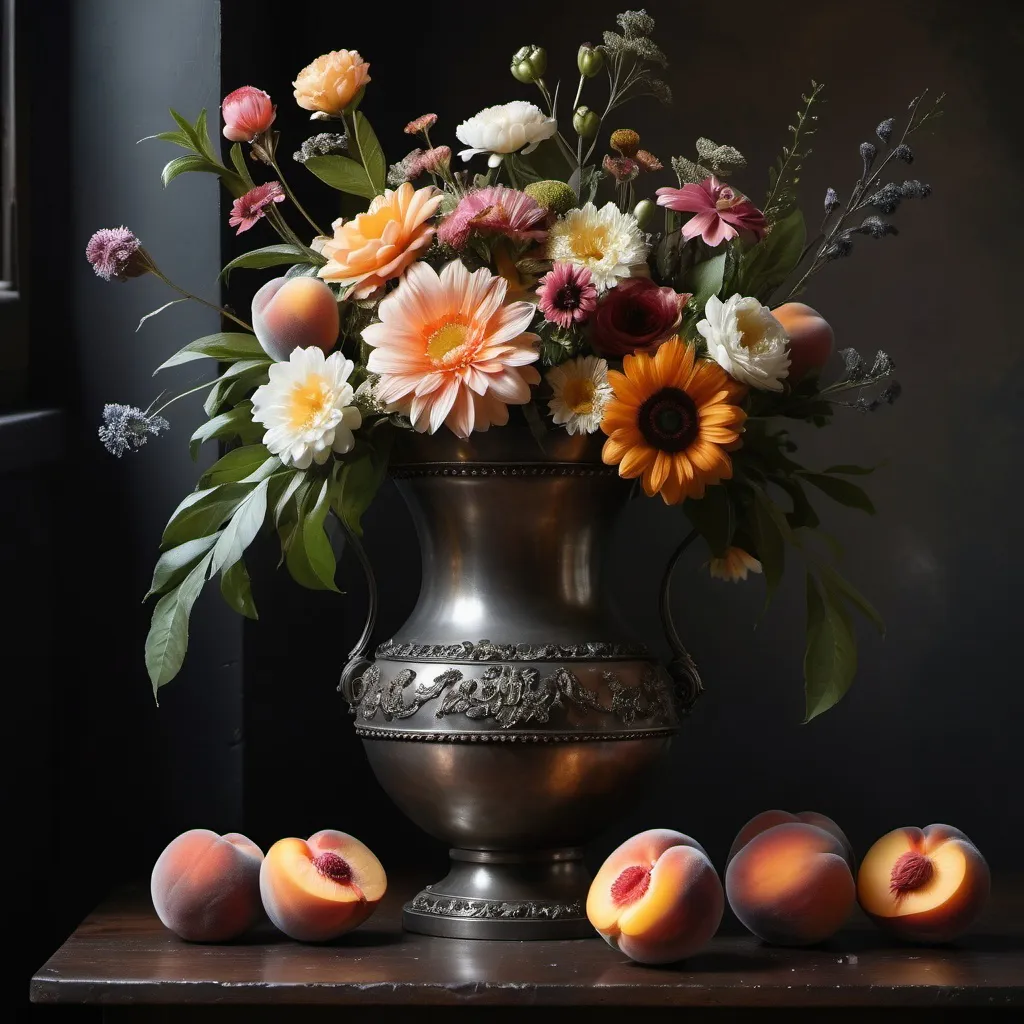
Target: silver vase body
{"x": 512, "y": 716}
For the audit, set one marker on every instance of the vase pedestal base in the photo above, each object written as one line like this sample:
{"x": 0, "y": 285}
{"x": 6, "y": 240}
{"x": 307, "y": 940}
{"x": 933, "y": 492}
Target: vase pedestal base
{"x": 501, "y": 895}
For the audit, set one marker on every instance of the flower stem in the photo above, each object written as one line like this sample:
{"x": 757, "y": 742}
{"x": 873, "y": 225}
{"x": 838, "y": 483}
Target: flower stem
{"x": 291, "y": 195}
{"x": 195, "y": 298}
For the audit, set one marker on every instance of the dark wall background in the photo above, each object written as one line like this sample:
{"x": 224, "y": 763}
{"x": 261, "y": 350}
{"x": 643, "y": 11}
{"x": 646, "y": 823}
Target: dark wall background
{"x": 928, "y": 731}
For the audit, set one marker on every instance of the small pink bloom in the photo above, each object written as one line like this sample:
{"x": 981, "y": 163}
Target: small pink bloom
{"x": 247, "y": 113}
{"x": 621, "y": 168}
{"x": 567, "y": 295}
{"x": 434, "y": 160}
{"x": 115, "y": 253}
{"x": 423, "y": 123}
{"x": 251, "y": 207}
{"x": 636, "y": 316}
{"x": 720, "y": 213}
{"x": 498, "y": 210}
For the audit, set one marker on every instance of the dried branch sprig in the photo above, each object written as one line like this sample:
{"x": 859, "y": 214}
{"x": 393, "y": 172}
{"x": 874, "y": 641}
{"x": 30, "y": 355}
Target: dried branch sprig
{"x": 784, "y": 177}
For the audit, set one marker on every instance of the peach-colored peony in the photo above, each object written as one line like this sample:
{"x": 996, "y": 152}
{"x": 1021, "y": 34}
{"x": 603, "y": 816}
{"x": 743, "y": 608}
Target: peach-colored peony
{"x": 331, "y": 82}
{"x": 450, "y": 350}
{"x": 379, "y": 245}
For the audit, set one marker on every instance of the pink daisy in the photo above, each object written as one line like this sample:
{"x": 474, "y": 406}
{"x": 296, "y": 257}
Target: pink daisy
{"x": 498, "y": 210}
{"x": 567, "y": 295}
{"x": 449, "y": 350}
{"x": 720, "y": 213}
{"x": 251, "y": 207}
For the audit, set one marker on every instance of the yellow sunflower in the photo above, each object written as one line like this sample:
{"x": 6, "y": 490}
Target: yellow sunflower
{"x": 672, "y": 420}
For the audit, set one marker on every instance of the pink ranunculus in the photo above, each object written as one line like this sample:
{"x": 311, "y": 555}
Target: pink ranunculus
{"x": 497, "y": 210}
{"x": 567, "y": 295}
{"x": 636, "y": 316}
{"x": 719, "y": 212}
{"x": 248, "y": 112}
{"x": 251, "y": 207}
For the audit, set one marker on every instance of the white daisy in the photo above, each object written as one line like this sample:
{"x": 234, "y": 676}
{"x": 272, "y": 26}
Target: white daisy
{"x": 307, "y": 407}
{"x": 580, "y": 392}
{"x": 746, "y": 341}
{"x": 608, "y": 242}
{"x": 504, "y": 129}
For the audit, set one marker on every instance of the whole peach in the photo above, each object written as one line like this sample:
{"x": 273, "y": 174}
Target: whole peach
{"x": 297, "y": 312}
{"x": 769, "y": 819}
{"x": 924, "y": 885}
{"x": 317, "y": 889}
{"x": 791, "y": 884}
{"x": 657, "y": 898}
{"x": 206, "y": 887}
{"x": 810, "y": 338}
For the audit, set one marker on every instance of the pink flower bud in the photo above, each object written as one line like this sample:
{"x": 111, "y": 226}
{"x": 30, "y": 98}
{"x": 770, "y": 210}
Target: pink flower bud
{"x": 247, "y": 113}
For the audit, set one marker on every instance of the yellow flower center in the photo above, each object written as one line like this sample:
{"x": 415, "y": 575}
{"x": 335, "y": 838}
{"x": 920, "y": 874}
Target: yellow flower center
{"x": 578, "y": 395}
{"x": 751, "y": 326}
{"x": 588, "y": 243}
{"x": 728, "y": 199}
{"x": 308, "y": 402}
{"x": 446, "y": 338}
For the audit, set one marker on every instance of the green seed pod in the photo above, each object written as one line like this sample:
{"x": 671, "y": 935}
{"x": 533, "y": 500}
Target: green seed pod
{"x": 529, "y": 63}
{"x": 643, "y": 211}
{"x": 590, "y": 60}
{"x": 586, "y": 122}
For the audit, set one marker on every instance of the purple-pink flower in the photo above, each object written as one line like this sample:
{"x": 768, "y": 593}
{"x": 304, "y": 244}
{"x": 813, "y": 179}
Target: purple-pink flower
{"x": 636, "y": 316}
{"x": 566, "y": 295}
{"x": 720, "y": 212}
{"x": 498, "y": 210}
{"x": 248, "y": 112}
{"x": 423, "y": 123}
{"x": 251, "y": 207}
{"x": 115, "y": 253}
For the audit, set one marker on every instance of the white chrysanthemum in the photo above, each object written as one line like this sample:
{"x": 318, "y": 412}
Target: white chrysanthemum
{"x": 746, "y": 341}
{"x": 579, "y": 393}
{"x": 608, "y": 242}
{"x": 504, "y": 129}
{"x": 307, "y": 408}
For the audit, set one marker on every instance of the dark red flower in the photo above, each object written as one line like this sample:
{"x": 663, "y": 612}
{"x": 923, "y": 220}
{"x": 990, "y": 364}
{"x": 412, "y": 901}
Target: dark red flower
{"x": 636, "y": 316}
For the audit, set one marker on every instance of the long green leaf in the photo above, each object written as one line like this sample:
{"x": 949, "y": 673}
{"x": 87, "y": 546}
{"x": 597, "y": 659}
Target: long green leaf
{"x": 168, "y": 633}
{"x": 704, "y": 280}
{"x": 840, "y": 587}
{"x": 270, "y": 256}
{"x": 770, "y": 541}
{"x": 202, "y": 513}
{"x": 236, "y": 381}
{"x": 235, "y": 465}
{"x": 765, "y": 266}
{"x": 184, "y": 164}
{"x": 358, "y": 481}
{"x": 236, "y": 589}
{"x": 310, "y": 557}
{"x": 224, "y": 347}
{"x": 843, "y": 491}
{"x": 176, "y": 563}
{"x": 241, "y": 529}
{"x": 236, "y": 422}
{"x": 371, "y": 152}
{"x": 830, "y": 660}
{"x": 238, "y": 159}
{"x": 342, "y": 173}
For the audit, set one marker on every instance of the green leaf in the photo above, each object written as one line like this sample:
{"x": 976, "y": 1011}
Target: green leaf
{"x": 704, "y": 280}
{"x": 766, "y": 265}
{"x": 241, "y": 529}
{"x": 238, "y": 380}
{"x": 236, "y": 589}
{"x": 188, "y": 130}
{"x": 713, "y": 517}
{"x": 357, "y": 484}
{"x": 158, "y": 310}
{"x": 342, "y": 173}
{"x": 178, "y": 138}
{"x": 842, "y": 491}
{"x": 238, "y": 159}
{"x": 840, "y": 587}
{"x": 851, "y": 470}
{"x": 310, "y": 557}
{"x": 371, "y": 152}
{"x": 203, "y": 512}
{"x": 168, "y": 632}
{"x": 281, "y": 505}
{"x": 236, "y": 422}
{"x": 803, "y": 514}
{"x": 830, "y": 659}
{"x": 184, "y": 164}
{"x": 236, "y": 465}
{"x": 175, "y": 564}
{"x": 271, "y": 256}
{"x": 769, "y": 539}
{"x": 224, "y": 347}
{"x": 203, "y": 136}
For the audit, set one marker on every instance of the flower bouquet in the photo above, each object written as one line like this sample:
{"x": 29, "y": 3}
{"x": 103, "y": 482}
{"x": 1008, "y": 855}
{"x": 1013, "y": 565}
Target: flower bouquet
{"x": 553, "y": 266}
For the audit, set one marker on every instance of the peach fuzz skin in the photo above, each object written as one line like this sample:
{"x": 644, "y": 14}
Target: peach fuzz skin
{"x": 791, "y": 884}
{"x": 924, "y": 885}
{"x": 317, "y": 889}
{"x": 769, "y": 819}
{"x": 810, "y": 338}
{"x": 206, "y": 887}
{"x": 297, "y": 312}
{"x": 657, "y": 898}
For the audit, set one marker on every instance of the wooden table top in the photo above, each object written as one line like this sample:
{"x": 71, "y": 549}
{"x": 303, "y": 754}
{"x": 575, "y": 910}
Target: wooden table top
{"x": 122, "y": 956}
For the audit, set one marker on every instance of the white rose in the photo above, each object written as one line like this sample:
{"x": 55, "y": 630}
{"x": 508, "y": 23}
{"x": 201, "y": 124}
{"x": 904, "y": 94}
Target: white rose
{"x": 504, "y": 129}
{"x": 746, "y": 341}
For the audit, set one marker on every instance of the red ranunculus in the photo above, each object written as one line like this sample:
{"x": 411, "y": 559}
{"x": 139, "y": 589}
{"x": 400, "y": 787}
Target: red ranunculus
{"x": 636, "y": 316}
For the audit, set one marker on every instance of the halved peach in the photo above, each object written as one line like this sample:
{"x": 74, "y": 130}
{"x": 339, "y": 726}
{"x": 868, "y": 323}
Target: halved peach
{"x": 791, "y": 884}
{"x": 924, "y": 885}
{"x": 657, "y": 898}
{"x": 317, "y": 889}
{"x": 769, "y": 819}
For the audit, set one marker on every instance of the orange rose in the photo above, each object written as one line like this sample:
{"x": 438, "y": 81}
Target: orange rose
{"x": 378, "y": 246}
{"x": 331, "y": 82}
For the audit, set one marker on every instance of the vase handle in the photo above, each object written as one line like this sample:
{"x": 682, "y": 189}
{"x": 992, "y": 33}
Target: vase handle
{"x": 681, "y": 667}
{"x": 351, "y": 685}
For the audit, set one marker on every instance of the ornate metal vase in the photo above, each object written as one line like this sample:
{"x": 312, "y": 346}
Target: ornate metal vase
{"x": 512, "y": 716}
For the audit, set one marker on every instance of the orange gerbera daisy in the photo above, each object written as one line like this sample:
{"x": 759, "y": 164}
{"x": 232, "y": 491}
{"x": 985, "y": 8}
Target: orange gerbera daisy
{"x": 672, "y": 420}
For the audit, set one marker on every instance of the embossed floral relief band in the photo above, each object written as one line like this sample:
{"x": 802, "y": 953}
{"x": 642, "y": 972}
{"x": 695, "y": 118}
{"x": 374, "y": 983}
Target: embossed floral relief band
{"x": 485, "y": 650}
